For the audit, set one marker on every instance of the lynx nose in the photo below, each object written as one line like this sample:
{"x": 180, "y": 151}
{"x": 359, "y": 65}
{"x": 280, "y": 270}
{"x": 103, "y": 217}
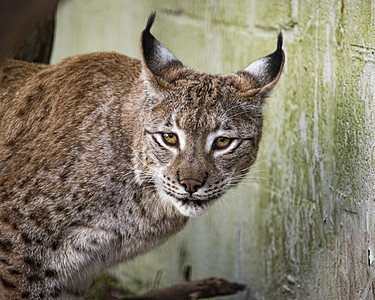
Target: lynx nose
{"x": 191, "y": 185}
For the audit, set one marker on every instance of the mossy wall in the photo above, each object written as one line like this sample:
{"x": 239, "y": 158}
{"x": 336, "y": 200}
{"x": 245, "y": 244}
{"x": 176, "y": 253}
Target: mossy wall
{"x": 302, "y": 225}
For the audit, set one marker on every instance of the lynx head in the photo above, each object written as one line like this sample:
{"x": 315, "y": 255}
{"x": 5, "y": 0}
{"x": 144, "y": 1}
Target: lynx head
{"x": 199, "y": 133}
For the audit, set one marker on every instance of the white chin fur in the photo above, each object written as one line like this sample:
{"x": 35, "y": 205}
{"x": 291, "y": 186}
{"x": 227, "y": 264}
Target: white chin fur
{"x": 185, "y": 209}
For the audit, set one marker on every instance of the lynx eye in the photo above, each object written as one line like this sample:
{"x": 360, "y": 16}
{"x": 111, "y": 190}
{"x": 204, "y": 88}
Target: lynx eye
{"x": 222, "y": 142}
{"x": 170, "y": 139}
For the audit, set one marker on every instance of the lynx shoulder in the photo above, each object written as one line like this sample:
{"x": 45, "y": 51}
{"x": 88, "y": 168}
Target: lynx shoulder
{"x": 103, "y": 157}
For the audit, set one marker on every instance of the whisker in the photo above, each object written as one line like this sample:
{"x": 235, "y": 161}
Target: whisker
{"x": 253, "y": 170}
{"x": 147, "y": 177}
{"x": 145, "y": 189}
{"x": 240, "y": 113}
{"x": 231, "y": 108}
{"x": 257, "y": 163}
{"x": 248, "y": 180}
{"x": 248, "y": 175}
{"x": 222, "y": 200}
{"x": 136, "y": 156}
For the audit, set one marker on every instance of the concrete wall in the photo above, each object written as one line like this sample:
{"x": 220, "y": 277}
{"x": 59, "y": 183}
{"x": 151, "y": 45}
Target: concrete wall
{"x": 302, "y": 225}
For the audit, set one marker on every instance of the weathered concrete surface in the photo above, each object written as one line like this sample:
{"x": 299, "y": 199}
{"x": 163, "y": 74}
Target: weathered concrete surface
{"x": 303, "y": 225}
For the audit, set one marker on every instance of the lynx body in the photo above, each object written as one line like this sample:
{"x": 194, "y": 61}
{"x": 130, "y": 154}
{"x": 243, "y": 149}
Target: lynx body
{"x": 103, "y": 157}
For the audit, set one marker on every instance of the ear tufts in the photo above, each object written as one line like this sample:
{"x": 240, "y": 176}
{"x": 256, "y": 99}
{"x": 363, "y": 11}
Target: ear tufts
{"x": 279, "y": 41}
{"x": 276, "y": 59}
{"x": 150, "y": 21}
{"x": 156, "y": 58}
{"x": 263, "y": 73}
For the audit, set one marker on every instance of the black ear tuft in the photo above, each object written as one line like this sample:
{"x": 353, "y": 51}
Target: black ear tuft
{"x": 150, "y": 21}
{"x": 265, "y": 72}
{"x": 156, "y": 58}
{"x": 279, "y": 41}
{"x": 276, "y": 59}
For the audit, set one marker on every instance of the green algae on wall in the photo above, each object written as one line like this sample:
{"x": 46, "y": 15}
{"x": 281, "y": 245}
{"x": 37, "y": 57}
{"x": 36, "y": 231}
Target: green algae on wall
{"x": 302, "y": 224}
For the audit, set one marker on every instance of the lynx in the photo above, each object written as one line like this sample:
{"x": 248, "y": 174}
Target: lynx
{"x": 104, "y": 157}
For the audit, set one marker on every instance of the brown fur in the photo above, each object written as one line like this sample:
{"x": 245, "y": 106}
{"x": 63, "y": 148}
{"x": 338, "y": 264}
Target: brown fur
{"x": 85, "y": 179}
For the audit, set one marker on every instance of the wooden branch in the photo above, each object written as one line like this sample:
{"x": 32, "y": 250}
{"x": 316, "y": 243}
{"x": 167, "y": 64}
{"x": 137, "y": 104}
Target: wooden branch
{"x": 190, "y": 290}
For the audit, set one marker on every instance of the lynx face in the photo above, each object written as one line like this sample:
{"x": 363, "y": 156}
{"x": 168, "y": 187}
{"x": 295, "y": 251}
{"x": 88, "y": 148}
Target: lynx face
{"x": 200, "y": 143}
{"x": 200, "y": 132}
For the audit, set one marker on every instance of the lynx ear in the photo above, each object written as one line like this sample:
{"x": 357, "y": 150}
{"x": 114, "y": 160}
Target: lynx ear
{"x": 157, "y": 60}
{"x": 261, "y": 75}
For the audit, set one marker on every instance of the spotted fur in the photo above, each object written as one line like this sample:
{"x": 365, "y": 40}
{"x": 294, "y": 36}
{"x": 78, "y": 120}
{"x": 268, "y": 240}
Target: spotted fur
{"x": 87, "y": 179}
